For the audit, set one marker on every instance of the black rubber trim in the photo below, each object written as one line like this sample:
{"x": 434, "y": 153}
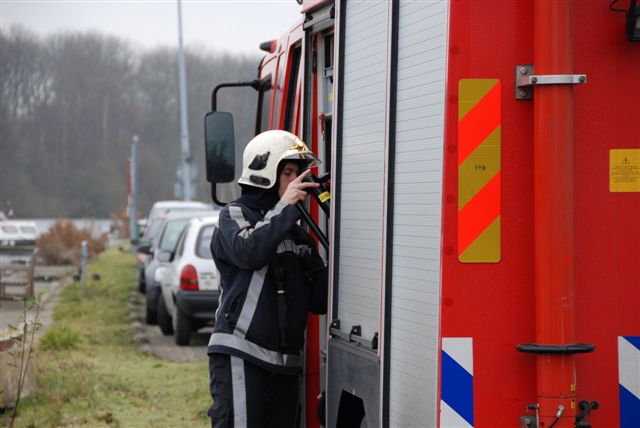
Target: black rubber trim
{"x": 569, "y": 348}
{"x": 391, "y": 156}
{"x": 338, "y": 155}
{"x": 200, "y": 304}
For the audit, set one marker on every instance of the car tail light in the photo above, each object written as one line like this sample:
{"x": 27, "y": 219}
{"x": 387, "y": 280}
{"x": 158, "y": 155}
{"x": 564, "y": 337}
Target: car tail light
{"x": 189, "y": 278}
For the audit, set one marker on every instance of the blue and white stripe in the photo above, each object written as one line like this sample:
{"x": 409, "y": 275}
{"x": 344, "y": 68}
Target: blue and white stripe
{"x": 456, "y": 404}
{"x": 629, "y": 379}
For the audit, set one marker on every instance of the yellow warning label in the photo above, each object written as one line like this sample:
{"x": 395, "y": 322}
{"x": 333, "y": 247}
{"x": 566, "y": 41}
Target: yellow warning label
{"x": 479, "y": 177}
{"x": 624, "y": 170}
{"x": 324, "y": 196}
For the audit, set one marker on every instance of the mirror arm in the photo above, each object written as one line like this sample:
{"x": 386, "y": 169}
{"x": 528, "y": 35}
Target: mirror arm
{"x": 214, "y": 197}
{"x": 255, "y": 84}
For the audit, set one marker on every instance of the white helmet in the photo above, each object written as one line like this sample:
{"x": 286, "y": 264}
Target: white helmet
{"x": 263, "y": 155}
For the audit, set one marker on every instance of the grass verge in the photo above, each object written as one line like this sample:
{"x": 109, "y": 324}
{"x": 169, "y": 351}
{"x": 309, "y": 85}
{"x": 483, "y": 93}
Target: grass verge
{"x": 90, "y": 372}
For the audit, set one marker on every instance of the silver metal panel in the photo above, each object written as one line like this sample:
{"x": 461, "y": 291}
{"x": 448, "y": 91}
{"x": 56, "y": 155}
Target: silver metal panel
{"x": 355, "y": 371}
{"x": 362, "y": 177}
{"x": 422, "y": 53}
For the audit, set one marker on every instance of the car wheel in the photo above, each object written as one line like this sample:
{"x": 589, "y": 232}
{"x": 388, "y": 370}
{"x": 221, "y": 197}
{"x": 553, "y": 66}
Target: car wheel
{"x": 183, "y": 329}
{"x": 164, "y": 319}
{"x": 151, "y": 316}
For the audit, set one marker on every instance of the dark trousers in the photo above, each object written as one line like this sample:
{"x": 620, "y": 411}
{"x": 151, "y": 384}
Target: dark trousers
{"x": 246, "y": 395}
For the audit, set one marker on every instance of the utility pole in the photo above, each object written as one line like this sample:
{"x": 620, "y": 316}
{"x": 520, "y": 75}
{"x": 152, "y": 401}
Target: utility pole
{"x": 187, "y": 193}
{"x": 133, "y": 174}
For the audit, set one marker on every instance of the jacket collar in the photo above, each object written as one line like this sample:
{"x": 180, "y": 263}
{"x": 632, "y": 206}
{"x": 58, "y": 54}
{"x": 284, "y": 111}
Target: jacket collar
{"x": 258, "y": 199}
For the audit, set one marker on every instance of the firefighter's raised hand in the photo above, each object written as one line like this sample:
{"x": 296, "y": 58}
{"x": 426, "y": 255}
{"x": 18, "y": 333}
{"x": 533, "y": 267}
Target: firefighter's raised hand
{"x": 296, "y": 188}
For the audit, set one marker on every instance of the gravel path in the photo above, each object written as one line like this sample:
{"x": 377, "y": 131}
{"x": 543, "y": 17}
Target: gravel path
{"x": 153, "y": 342}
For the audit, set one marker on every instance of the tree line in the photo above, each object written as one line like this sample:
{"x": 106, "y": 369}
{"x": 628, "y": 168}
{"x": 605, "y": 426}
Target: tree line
{"x": 71, "y": 102}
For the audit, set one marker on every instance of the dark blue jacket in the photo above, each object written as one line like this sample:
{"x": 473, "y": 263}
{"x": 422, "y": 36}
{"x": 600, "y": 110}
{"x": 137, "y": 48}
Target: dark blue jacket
{"x": 255, "y": 248}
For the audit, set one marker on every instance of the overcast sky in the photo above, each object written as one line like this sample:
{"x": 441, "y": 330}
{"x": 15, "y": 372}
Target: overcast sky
{"x": 223, "y": 25}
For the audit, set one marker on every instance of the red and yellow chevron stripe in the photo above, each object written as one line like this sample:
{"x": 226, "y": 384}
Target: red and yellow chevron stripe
{"x": 479, "y": 119}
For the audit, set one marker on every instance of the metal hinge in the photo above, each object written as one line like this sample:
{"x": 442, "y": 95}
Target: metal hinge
{"x": 526, "y": 79}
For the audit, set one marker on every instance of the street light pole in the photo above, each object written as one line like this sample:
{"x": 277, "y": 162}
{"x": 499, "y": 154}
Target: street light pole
{"x": 133, "y": 174}
{"x": 187, "y": 194}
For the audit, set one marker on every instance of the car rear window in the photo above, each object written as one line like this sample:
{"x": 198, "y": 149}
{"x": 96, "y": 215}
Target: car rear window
{"x": 171, "y": 234}
{"x": 9, "y": 229}
{"x": 203, "y": 248}
{"x": 30, "y": 230}
{"x": 153, "y": 228}
{"x": 164, "y": 209}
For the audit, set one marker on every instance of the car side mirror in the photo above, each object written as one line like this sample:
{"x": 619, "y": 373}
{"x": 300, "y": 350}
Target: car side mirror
{"x": 165, "y": 256}
{"x": 145, "y": 249}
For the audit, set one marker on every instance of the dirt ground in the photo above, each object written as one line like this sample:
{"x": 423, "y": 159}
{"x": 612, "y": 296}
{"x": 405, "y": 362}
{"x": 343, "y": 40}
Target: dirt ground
{"x": 48, "y": 282}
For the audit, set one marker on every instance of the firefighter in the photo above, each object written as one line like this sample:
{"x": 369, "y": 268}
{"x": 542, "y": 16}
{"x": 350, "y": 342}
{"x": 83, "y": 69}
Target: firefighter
{"x": 271, "y": 277}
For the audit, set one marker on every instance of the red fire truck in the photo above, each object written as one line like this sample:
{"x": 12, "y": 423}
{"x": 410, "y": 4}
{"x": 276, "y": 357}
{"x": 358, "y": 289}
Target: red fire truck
{"x": 484, "y": 232}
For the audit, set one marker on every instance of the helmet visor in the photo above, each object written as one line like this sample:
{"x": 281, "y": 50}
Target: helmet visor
{"x": 306, "y": 159}
{"x": 299, "y": 151}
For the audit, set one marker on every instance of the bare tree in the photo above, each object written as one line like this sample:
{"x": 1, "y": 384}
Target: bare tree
{"x": 70, "y": 104}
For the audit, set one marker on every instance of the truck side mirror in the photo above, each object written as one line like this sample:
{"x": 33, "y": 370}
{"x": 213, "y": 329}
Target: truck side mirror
{"x": 219, "y": 147}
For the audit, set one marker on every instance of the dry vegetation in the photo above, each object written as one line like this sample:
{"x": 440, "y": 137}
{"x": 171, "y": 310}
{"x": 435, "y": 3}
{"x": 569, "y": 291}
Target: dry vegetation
{"x": 60, "y": 245}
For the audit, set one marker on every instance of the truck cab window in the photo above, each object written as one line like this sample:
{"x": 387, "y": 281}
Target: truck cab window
{"x": 278, "y": 89}
{"x": 264, "y": 105}
{"x": 293, "y": 87}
